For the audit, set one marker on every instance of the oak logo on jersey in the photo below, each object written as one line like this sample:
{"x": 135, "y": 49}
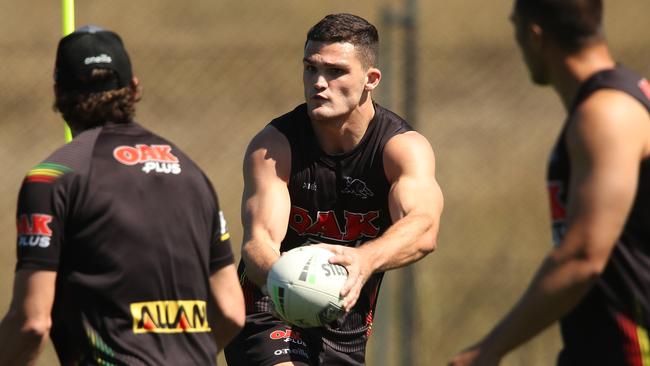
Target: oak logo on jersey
{"x": 155, "y": 158}
{"x": 556, "y": 194}
{"x": 34, "y": 230}
{"x": 171, "y": 316}
{"x": 326, "y": 225}
{"x": 357, "y": 187}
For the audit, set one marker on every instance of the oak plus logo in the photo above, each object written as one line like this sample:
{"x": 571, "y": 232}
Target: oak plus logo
{"x": 288, "y": 335}
{"x": 154, "y": 158}
{"x": 34, "y": 230}
{"x": 171, "y": 316}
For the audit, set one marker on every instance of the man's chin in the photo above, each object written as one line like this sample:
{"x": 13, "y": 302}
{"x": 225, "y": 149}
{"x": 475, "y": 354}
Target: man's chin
{"x": 320, "y": 113}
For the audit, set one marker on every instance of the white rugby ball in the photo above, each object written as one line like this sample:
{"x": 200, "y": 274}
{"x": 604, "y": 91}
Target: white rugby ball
{"x": 305, "y": 287}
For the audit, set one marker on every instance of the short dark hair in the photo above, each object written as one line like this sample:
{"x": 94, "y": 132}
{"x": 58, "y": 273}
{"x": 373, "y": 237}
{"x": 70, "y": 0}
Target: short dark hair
{"x": 348, "y": 28}
{"x": 572, "y": 23}
{"x": 83, "y": 110}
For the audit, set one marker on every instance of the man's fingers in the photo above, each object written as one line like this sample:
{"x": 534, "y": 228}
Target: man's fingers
{"x": 353, "y": 294}
{"x": 349, "y": 303}
{"x": 349, "y": 283}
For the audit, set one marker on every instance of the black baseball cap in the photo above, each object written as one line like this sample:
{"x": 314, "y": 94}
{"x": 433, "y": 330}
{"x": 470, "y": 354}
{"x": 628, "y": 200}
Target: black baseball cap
{"x": 87, "y": 48}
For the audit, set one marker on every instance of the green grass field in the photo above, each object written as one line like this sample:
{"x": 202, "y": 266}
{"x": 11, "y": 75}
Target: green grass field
{"x": 216, "y": 72}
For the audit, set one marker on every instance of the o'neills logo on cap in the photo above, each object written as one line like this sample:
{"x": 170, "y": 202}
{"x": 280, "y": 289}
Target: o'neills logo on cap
{"x": 171, "y": 316}
{"x": 101, "y": 59}
{"x": 155, "y": 158}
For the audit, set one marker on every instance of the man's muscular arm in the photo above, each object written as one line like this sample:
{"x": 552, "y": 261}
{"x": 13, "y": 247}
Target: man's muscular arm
{"x": 415, "y": 203}
{"x": 265, "y": 202}
{"x": 606, "y": 142}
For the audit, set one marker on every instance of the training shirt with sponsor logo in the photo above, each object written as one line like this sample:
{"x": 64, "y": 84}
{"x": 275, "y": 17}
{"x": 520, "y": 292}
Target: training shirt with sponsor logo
{"x": 610, "y": 325}
{"x": 133, "y": 229}
{"x": 337, "y": 199}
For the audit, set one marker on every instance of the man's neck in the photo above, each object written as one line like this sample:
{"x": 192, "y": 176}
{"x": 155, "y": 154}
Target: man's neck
{"x": 574, "y": 69}
{"x": 344, "y": 134}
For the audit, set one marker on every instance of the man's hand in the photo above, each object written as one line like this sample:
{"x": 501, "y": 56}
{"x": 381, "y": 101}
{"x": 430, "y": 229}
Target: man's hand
{"x": 359, "y": 271}
{"x": 473, "y": 356}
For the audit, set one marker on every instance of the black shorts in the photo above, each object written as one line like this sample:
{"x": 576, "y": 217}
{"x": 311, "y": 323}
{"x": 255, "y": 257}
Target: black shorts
{"x": 267, "y": 341}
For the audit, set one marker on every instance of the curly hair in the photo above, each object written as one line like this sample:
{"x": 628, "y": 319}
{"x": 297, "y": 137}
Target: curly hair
{"x": 87, "y": 109}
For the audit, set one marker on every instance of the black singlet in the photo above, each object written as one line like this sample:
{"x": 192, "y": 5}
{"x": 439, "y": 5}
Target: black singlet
{"x": 610, "y": 325}
{"x": 338, "y": 199}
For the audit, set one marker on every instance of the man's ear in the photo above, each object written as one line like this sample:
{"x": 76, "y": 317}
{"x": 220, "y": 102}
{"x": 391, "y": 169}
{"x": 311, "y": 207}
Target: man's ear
{"x": 536, "y": 36}
{"x": 373, "y": 77}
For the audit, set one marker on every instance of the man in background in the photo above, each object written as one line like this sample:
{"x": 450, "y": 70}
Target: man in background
{"x": 123, "y": 253}
{"x": 596, "y": 280}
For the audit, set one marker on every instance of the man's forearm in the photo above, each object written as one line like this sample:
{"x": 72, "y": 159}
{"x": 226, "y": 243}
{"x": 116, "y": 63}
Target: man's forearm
{"x": 557, "y": 287}
{"x": 258, "y": 258}
{"x": 407, "y": 241}
{"x": 225, "y": 331}
{"x": 20, "y": 344}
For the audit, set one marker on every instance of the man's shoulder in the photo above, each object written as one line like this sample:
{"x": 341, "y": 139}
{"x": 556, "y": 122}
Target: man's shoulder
{"x": 283, "y": 129}
{"x": 390, "y": 122}
{"x": 608, "y": 118}
{"x": 73, "y": 157}
{"x": 616, "y": 84}
{"x": 269, "y": 138}
{"x": 299, "y": 113}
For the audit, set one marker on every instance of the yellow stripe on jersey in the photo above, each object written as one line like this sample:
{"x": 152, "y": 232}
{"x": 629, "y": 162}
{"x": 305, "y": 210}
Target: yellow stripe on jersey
{"x": 644, "y": 345}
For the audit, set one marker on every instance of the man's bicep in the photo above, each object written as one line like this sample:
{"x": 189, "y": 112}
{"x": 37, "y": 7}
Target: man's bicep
{"x": 417, "y": 195}
{"x": 410, "y": 167}
{"x": 265, "y": 212}
{"x": 266, "y": 202}
{"x": 605, "y": 152}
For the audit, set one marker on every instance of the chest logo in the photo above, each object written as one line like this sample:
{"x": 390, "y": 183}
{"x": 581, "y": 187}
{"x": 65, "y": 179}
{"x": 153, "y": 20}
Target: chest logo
{"x": 357, "y": 187}
{"x": 327, "y": 226}
{"x": 154, "y": 158}
{"x": 558, "y": 209}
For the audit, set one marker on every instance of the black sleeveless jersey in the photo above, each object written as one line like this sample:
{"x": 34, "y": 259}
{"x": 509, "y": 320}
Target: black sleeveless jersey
{"x": 610, "y": 325}
{"x": 337, "y": 199}
{"x": 133, "y": 229}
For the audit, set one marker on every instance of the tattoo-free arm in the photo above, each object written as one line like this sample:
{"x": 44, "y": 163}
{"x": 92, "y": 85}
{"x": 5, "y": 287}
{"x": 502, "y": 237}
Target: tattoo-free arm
{"x": 415, "y": 203}
{"x": 229, "y": 301}
{"x": 265, "y": 203}
{"x": 26, "y": 326}
{"x": 606, "y": 142}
